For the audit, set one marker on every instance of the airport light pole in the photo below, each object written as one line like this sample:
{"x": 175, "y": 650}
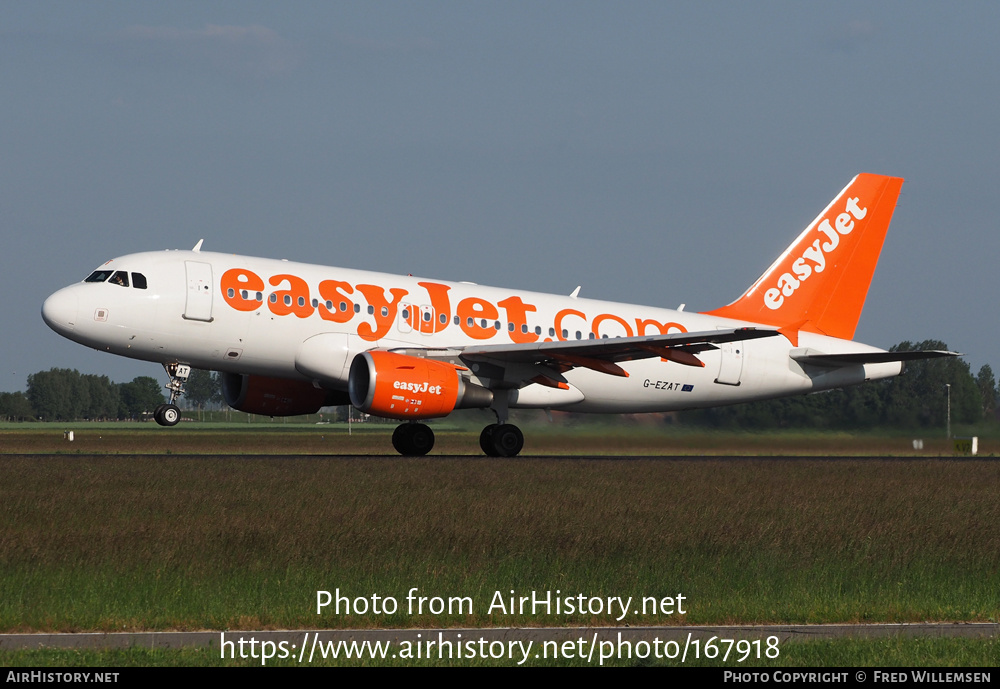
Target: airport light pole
{"x": 947, "y": 387}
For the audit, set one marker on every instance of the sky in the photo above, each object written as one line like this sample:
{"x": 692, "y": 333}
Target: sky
{"x": 656, "y": 153}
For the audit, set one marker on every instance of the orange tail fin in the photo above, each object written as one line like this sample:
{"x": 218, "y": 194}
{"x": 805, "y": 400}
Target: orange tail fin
{"x": 820, "y": 282}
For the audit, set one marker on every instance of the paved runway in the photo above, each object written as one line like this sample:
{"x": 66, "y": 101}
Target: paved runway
{"x": 212, "y": 639}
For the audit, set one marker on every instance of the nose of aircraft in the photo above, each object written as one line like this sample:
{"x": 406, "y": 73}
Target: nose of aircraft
{"x": 60, "y": 310}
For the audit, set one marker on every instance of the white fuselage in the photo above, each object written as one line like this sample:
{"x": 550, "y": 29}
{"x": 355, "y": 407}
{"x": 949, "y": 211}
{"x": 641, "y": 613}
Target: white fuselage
{"x": 299, "y": 321}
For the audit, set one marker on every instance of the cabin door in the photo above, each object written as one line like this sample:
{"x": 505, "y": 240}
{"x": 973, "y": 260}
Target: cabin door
{"x": 198, "y": 306}
{"x": 731, "y": 365}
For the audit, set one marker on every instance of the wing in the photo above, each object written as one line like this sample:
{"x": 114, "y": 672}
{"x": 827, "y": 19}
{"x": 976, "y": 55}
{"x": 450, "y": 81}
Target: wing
{"x": 603, "y": 355}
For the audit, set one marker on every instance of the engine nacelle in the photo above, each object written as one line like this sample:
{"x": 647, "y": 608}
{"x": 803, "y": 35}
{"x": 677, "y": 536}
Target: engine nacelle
{"x": 399, "y": 386}
{"x": 276, "y": 396}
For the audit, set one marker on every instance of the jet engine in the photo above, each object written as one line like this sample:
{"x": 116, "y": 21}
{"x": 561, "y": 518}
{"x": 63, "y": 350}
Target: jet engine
{"x": 276, "y": 396}
{"x": 400, "y": 386}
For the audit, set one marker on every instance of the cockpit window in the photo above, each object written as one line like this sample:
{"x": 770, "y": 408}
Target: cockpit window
{"x": 119, "y": 277}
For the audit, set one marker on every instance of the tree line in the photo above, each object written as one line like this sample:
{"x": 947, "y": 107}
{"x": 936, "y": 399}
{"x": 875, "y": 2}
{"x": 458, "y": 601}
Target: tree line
{"x": 62, "y": 394}
{"x": 918, "y": 398}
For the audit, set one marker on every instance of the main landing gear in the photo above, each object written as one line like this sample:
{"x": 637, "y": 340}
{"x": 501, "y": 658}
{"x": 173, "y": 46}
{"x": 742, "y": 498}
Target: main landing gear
{"x": 413, "y": 439}
{"x": 501, "y": 440}
{"x": 169, "y": 414}
{"x": 496, "y": 440}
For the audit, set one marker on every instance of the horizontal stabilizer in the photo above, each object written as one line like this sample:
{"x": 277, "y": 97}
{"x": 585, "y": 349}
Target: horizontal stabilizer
{"x": 856, "y": 358}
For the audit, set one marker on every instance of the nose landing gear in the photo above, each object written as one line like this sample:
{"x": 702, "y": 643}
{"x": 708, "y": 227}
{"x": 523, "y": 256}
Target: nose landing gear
{"x": 169, "y": 414}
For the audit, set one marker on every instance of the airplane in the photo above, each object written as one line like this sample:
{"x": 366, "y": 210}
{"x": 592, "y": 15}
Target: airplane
{"x": 289, "y": 338}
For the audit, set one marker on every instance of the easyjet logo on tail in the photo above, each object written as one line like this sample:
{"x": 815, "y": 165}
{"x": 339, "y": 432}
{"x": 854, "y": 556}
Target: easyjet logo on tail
{"x": 814, "y": 257}
{"x": 820, "y": 282}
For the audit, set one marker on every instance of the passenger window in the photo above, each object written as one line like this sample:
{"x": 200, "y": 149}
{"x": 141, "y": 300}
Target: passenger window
{"x": 120, "y": 278}
{"x": 138, "y": 280}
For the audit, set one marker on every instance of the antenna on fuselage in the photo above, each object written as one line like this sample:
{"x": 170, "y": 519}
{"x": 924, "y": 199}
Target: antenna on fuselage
{"x": 197, "y": 247}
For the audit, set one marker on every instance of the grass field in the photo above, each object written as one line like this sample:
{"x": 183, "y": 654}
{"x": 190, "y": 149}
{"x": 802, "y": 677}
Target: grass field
{"x": 155, "y": 542}
{"x": 127, "y": 531}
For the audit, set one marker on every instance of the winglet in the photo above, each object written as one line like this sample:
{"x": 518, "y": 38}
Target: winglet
{"x": 820, "y": 282}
